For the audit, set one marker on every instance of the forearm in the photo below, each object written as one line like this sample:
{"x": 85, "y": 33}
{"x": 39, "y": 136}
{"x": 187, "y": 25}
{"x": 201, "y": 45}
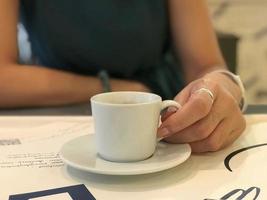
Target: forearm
{"x": 38, "y": 86}
{"x": 194, "y": 37}
{"x": 22, "y": 86}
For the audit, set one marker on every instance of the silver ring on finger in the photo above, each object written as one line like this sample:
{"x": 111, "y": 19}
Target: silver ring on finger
{"x": 211, "y": 95}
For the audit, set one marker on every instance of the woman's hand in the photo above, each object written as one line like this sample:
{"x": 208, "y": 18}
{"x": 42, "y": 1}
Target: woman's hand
{"x": 207, "y": 121}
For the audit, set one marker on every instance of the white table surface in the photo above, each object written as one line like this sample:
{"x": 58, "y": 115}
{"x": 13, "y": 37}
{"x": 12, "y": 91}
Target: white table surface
{"x": 201, "y": 176}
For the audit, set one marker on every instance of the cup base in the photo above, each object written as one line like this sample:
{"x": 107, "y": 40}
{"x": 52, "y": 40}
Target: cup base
{"x": 123, "y": 160}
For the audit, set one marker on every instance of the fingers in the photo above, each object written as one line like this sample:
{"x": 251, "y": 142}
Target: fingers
{"x": 202, "y": 128}
{"x": 184, "y": 95}
{"x": 214, "y": 141}
{"x": 197, "y": 107}
{"x": 235, "y": 134}
{"x": 198, "y": 131}
{"x": 223, "y": 135}
{"x": 182, "y": 98}
{"x": 194, "y": 87}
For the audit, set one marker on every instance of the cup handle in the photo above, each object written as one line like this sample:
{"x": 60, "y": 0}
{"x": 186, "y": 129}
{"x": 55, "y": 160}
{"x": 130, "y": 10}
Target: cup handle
{"x": 169, "y": 103}
{"x": 166, "y": 104}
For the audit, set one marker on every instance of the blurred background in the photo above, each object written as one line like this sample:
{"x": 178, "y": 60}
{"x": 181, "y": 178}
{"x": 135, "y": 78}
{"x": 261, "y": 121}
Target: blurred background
{"x": 241, "y": 26}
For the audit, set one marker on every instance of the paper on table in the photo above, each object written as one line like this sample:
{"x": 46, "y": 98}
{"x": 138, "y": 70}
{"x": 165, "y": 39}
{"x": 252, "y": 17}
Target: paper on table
{"x": 29, "y": 147}
{"x": 202, "y": 176}
{"x": 33, "y": 163}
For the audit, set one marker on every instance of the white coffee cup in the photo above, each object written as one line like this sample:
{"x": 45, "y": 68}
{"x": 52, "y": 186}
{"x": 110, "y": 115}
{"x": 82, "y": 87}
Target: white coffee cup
{"x": 126, "y": 124}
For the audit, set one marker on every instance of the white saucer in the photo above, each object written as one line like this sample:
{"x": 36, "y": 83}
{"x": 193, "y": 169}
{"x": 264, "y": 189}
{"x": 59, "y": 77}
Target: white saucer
{"x": 81, "y": 154}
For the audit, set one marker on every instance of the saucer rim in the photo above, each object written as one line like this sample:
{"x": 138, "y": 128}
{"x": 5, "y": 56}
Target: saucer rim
{"x": 163, "y": 166}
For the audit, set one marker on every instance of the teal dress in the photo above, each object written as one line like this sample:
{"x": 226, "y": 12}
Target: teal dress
{"x": 129, "y": 39}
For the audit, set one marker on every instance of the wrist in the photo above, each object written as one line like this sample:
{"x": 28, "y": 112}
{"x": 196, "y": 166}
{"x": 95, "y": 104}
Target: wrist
{"x": 234, "y": 84}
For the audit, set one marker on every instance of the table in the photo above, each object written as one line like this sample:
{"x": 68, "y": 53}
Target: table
{"x": 85, "y": 109}
{"x": 203, "y": 176}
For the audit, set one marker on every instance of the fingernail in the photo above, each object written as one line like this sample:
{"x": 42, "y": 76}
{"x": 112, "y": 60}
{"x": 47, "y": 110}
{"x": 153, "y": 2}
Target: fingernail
{"x": 163, "y": 132}
{"x": 172, "y": 109}
{"x": 159, "y": 139}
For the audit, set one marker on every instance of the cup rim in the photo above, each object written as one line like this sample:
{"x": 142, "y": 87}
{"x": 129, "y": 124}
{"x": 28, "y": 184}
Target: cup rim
{"x": 93, "y": 98}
